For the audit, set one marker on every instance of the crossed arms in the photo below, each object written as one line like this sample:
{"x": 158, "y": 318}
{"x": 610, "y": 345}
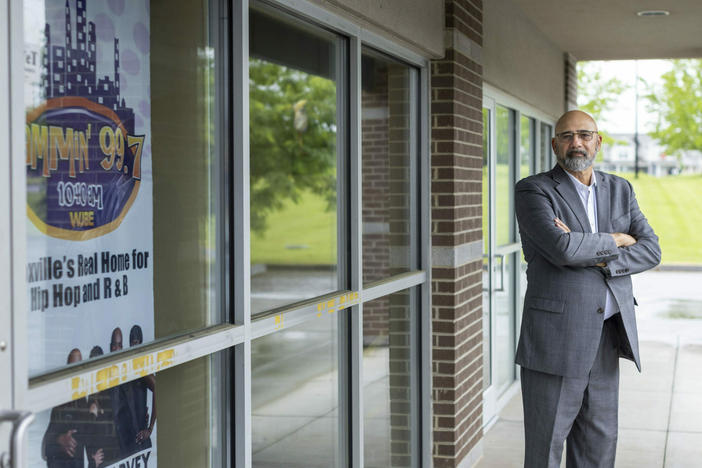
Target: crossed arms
{"x": 622, "y": 253}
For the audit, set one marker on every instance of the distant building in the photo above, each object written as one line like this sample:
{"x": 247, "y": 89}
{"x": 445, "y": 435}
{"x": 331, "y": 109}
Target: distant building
{"x": 620, "y": 157}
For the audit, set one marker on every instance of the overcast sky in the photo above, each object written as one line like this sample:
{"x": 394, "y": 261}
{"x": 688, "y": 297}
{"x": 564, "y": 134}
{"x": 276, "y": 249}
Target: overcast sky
{"x": 621, "y": 118}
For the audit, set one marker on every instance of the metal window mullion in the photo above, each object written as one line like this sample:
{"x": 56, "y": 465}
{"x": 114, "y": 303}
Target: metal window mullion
{"x": 6, "y": 277}
{"x": 355, "y": 358}
{"x": 18, "y": 203}
{"x": 492, "y": 168}
{"x": 240, "y": 211}
{"x": 221, "y": 364}
{"x": 344, "y": 321}
{"x": 535, "y": 163}
{"x": 514, "y": 162}
{"x": 414, "y": 235}
{"x": 424, "y": 312}
{"x": 57, "y": 387}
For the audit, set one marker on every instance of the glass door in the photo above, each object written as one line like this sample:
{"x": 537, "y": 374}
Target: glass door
{"x": 501, "y": 248}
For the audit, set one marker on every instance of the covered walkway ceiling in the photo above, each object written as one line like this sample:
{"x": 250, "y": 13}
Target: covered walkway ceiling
{"x": 612, "y": 30}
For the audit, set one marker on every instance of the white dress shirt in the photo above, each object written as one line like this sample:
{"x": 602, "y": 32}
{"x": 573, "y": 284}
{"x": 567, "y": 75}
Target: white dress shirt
{"x": 589, "y": 200}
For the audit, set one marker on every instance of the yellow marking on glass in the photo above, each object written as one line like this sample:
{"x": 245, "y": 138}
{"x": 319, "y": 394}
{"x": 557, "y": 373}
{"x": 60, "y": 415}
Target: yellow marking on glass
{"x": 75, "y": 386}
{"x": 330, "y": 311}
{"x": 342, "y": 299}
{"x": 107, "y": 378}
{"x": 139, "y": 365}
{"x": 165, "y": 358}
{"x": 320, "y": 306}
{"x": 279, "y": 322}
{"x": 330, "y": 303}
{"x": 319, "y": 314}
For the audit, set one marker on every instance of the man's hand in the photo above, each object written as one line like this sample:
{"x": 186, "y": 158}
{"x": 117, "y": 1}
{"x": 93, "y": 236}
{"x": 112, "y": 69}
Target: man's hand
{"x": 68, "y": 443}
{"x": 561, "y": 225}
{"x": 143, "y": 435}
{"x": 623, "y": 240}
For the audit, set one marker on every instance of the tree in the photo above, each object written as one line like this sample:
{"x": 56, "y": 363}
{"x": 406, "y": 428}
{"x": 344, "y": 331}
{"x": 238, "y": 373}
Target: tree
{"x": 678, "y": 104}
{"x": 597, "y": 95}
{"x": 292, "y": 137}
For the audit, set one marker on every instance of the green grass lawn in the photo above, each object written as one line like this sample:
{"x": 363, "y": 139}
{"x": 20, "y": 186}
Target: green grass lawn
{"x": 302, "y": 233}
{"x": 672, "y": 206}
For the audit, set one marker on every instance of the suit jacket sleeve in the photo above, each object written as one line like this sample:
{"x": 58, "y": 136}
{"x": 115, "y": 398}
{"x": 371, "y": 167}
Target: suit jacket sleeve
{"x": 536, "y": 215}
{"x": 643, "y": 255}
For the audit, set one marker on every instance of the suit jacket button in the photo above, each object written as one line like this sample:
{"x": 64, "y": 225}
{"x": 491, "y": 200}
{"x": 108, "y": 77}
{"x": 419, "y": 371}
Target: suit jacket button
{"x": 600, "y": 310}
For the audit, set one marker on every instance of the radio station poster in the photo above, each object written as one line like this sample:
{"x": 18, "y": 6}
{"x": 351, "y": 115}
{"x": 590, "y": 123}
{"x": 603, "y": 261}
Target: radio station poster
{"x": 89, "y": 221}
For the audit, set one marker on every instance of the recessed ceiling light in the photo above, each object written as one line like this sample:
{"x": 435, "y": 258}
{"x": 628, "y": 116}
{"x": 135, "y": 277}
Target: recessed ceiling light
{"x": 653, "y": 13}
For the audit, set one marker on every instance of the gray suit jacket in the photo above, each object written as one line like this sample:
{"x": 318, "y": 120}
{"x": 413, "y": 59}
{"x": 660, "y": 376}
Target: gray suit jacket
{"x": 565, "y": 297}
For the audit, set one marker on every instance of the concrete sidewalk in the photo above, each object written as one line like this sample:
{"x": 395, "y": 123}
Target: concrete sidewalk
{"x": 660, "y": 409}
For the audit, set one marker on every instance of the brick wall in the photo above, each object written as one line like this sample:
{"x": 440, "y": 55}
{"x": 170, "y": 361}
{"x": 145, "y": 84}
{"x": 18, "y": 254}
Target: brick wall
{"x": 457, "y": 138}
{"x": 385, "y": 166}
{"x": 376, "y": 190}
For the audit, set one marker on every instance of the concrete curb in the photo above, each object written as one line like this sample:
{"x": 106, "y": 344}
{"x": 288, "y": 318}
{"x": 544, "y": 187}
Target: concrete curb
{"x": 681, "y": 267}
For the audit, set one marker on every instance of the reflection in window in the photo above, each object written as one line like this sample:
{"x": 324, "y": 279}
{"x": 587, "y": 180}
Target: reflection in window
{"x": 487, "y": 371}
{"x": 294, "y": 396}
{"x": 293, "y": 159}
{"x": 385, "y": 133}
{"x": 504, "y": 184}
{"x": 526, "y": 146}
{"x": 546, "y": 158}
{"x": 388, "y": 377}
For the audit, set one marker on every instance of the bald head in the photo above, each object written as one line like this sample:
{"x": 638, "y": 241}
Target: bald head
{"x": 116, "y": 340}
{"x": 575, "y": 120}
{"x": 576, "y": 142}
{"x": 74, "y": 356}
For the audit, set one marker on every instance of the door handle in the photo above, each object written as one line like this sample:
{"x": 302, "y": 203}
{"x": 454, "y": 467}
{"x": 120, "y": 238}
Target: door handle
{"x": 20, "y": 422}
{"x": 486, "y": 267}
{"x": 502, "y": 272}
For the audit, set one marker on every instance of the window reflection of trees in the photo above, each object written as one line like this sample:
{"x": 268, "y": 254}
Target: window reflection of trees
{"x": 293, "y": 138}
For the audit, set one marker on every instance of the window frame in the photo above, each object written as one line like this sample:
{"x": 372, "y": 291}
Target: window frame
{"x": 239, "y": 329}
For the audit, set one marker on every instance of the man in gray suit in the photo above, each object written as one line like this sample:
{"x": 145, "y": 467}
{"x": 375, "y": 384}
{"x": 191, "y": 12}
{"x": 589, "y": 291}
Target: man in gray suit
{"x": 583, "y": 236}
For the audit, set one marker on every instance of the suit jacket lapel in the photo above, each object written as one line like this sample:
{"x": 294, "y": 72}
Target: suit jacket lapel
{"x": 565, "y": 188}
{"x": 603, "y": 201}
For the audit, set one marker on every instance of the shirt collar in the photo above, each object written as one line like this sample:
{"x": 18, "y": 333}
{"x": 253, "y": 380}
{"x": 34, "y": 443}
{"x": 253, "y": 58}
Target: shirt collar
{"x": 579, "y": 185}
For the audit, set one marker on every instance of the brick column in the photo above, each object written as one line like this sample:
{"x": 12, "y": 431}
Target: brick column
{"x": 457, "y": 151}
{"x": 571, "y": 81}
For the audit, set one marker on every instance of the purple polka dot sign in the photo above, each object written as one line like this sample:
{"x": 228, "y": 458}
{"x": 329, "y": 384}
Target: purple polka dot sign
{"x": 89, "y": 227}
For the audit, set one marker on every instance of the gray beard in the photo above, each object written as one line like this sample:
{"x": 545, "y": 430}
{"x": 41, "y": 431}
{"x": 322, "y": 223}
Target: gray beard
{"x": 577, "y": 164}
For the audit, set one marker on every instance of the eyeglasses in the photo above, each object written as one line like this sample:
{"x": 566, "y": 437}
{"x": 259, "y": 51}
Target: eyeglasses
{"x": 584, "y": 135}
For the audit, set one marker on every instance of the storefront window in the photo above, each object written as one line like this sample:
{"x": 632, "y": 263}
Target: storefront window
{"x": 545, "y": 158}
{"x": 388, "y": 377}
{"x": 294, "y": 396}
{"x": 122, "y": 161}
{"x": 385, "y": 132}
{"x": 293, "y": 96}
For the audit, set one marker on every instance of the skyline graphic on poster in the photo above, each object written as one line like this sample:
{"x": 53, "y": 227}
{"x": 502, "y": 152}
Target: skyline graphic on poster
{"x": 83, "y": 150}
{"x": 72, "y": 71}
